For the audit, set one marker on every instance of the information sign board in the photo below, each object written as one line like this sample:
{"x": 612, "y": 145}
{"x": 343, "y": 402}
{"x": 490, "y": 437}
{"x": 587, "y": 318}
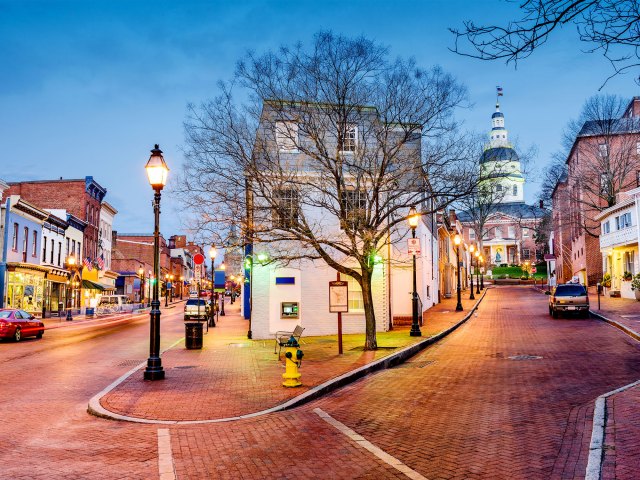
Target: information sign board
{"x": 414, "y": 246}
{"x": 338, "y": 297}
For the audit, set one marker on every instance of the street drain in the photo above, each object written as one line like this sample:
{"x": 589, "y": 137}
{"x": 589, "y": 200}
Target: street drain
{"x": 525, "y": 357}
{"x": 129, "y": 363}
{"x": 416, "y": 364}
{"x": 185, "y": 367}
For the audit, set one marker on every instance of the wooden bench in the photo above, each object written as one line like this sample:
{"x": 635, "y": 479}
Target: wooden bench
{"x": 282, "y": 338}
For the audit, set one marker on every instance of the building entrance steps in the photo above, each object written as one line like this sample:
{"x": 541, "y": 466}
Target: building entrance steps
{"x": 232, "y": 376}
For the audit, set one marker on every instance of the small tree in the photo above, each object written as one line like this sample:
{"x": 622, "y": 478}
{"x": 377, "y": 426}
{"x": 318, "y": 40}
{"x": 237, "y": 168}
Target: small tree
{"x": 320, "y": 152}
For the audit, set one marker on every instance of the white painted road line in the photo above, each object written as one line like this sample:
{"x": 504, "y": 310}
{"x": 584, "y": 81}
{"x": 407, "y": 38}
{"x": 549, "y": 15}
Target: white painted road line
{"x": 165, "y": 457}
{"x": 367, "y": 445}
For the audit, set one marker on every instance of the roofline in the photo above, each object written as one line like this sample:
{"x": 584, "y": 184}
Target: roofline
{"x": 109, "y": 207}
{"x": 618, "y": 206}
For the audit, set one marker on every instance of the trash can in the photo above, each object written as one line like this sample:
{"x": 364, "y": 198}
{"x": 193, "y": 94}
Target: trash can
{"x": 193, "y": 335}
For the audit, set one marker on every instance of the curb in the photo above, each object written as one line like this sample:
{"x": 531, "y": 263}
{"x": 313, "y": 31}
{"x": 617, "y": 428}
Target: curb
{"x": 596, "y": 446}
{"x": 96, "y": 409}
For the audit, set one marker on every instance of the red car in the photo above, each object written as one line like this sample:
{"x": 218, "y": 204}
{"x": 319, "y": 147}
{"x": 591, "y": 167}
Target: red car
{"x": 18, "y": 324}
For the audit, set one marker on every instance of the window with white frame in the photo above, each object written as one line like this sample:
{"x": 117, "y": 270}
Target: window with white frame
{"x": 53, "y": 243}
{"x": 606, "y": 227}
{"x": 499, "y": 188}
{"x": 350, "y": 140}
{"x": 604, "y": 183}
{"x": 34, "y": 244}
{"x": 356, "y": 302}
{"x": 25, "y": 240}
{"x": 44, "y": 249}
{"x": 515, "y": 190}
{"x": 623, "y": 221}
{"x": 512, "y": 232}
{"x": 629, "y": 264}
{"x": 287, "y": 136}
{"x": 525, "y": 232}
{"x": 472, "y": 234}
{"x": 286, "y": 207}
{"x": 498, "y": 232}
{"x": 603, "y": 149}
{"x": 354, "y": 203}
{"x": 59, "y": 253}
{"x": 638, "y": 178}
{"x": 526, "y": 253}
{"x": 638, "y": 148}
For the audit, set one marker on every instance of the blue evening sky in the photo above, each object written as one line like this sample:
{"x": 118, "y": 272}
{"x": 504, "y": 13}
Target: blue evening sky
{"x": 87, "y": 87}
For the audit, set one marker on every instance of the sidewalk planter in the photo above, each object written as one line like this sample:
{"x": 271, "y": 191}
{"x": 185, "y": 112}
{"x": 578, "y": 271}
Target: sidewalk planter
{"x": 193, "y": 335}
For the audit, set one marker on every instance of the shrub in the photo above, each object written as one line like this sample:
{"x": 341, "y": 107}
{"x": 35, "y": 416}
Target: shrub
{"x": 627, "y": 276}
{"x": 635, "y": 283}
{"x": 606, "y": 280}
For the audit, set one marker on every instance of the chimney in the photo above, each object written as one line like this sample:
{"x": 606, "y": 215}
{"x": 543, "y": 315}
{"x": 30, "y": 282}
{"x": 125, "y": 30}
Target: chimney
{"x": 452, "y": 216}
{"x": 541, "y": 204}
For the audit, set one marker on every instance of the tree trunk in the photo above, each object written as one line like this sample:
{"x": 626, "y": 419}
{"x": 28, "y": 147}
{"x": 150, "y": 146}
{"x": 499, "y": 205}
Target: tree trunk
{"x": 370, "y": 342}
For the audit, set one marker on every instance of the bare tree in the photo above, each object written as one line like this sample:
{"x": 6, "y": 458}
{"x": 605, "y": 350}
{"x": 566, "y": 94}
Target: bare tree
{"x": 602, "y": 160}
{"x": 610, "y": 27}
{"x": 319, "y": 152}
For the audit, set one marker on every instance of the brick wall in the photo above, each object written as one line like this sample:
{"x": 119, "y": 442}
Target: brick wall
{"x": 140, "y": 248}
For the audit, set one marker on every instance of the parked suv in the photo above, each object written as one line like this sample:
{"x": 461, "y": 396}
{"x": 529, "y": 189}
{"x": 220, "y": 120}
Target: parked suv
{"x": 196, "y": 308}
{"x": 570, "y": 297}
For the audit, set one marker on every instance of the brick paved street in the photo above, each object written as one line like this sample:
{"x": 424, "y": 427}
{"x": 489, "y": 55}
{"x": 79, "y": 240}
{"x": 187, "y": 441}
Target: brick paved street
{"x": 479, "y": 404}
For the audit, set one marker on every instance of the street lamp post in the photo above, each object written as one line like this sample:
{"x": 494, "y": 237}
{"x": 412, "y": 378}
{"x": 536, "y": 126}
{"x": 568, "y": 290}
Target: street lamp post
{"x": 481, "y": 272}
{"x": 471, "y": 249}
{"x": 166, "y": 290}
{"x": 457, "y": 240}
{"x": 224, "y": 292}
{"x": 157, "y": 172}
{"x": 141, "y": 275}
{"x": 413, "y": 220}
{"x": 71, "y": 263}
{"x": 181, "y": 286}
{"x": 212, "y": 254}
{"x": 477, "y": 255}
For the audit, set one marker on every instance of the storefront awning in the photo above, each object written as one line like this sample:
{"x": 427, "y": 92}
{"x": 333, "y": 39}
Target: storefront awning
{"x": 89, "y": 285}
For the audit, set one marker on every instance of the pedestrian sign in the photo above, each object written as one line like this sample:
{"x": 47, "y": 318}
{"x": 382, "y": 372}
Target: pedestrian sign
{"x": 414, "y": 246}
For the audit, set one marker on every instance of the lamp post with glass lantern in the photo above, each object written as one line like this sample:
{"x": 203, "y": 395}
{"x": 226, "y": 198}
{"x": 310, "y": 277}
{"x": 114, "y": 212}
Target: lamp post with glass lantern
{"x": 71, "y": 265}
{"x": 181, "y": 286}
{"x": 470, "y": 266}
{"x": 166, "y": 290}
{"x": 212, "y": 255}
{"x": 224, "y": 292}
{"x": 413, "y": 220}
{"x": 157, "y": 172}
{"x": 171, "y": 295}
{"x": 481, "y": 273}
{"x": 477, "y": 255}
{"x": 457, "y": 240}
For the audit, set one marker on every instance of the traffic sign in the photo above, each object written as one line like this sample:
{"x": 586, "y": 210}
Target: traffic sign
{"x": 533, "y": 270}
{"x": 414, "y": 246}
{"x": 198, "y": 259}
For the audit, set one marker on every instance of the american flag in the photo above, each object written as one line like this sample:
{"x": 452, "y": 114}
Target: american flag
{"x": 87, "y": 263}
{"x": 499, "y": 91}
{"x": 100, "y": 262}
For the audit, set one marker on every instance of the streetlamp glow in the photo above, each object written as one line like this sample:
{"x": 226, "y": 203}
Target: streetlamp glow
{"x": 413, "y": 217}
{"x": 212, "y": 253}
{"x": 457, "y": 240}
{"x": 157, "y": 170}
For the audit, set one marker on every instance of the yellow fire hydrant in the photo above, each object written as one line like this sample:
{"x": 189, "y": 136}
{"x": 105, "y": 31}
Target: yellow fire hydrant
{"x": 292, "y": 360}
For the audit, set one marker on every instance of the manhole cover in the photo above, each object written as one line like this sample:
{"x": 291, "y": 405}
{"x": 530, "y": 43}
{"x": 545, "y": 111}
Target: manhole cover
{"x": 185, "y": 367}
{"x": 416, "y": 364}
{"x": 524, "y": 357}
{"x": 129, "y": 363}
{"x": 239, "y": 345}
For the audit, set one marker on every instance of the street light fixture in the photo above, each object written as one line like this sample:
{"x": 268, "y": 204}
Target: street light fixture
{"x": 181, "y": 286}
{"x": 471, "y": 250}
{"x": 477, "y": 255}
{"x": 481, "y": 273}
{"x": 166, "y": 289}
{"x": 413, "y": 219}
{"x": 157, "y": 172}
{"x": 71, "y": 264}
{"x": 224, "y": 292}
{"x": 212, "y": 255}
{"x": 457, "y": 240}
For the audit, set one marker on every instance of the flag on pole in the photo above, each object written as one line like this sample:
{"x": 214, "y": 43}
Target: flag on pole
{"x": 499, "y": 91}
{"x": 87, "y": 263}
{"x": 100, "y": 262}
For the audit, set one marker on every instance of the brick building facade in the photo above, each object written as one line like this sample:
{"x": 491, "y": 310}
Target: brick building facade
{"x": 79, "y": 197}
{"x": 604, "y": 159}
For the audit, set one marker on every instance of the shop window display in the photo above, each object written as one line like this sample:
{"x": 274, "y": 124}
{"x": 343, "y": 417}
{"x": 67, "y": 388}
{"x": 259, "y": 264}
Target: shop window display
{"x": 25, "y": 291}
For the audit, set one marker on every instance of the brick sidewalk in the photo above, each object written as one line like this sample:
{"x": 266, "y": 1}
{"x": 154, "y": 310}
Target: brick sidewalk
{"x": 233, "y": 376}
{"x": 621, "y": 459}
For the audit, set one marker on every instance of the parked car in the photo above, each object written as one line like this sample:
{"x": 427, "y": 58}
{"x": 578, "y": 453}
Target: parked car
{"x": 18, "y": 324}
{"x": 569, "y": 298}
{"x": 196, "y": 308}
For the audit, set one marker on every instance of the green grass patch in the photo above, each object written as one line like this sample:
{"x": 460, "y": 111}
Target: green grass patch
{"x": 516, "y": 272}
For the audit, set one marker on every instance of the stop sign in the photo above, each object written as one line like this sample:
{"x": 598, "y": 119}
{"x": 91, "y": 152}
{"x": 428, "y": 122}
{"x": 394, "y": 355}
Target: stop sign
{"x": 198, "y": 259}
